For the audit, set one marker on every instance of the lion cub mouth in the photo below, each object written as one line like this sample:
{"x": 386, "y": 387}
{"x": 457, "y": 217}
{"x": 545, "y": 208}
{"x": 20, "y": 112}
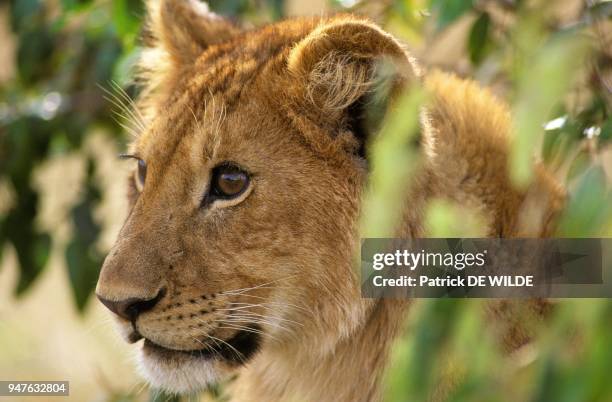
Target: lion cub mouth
{"x": 236, "y": 350}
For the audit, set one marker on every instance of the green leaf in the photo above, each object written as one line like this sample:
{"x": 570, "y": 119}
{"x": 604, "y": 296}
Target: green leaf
{"x": 26, "y": 142}
{"x": 606, "y": 131}
{"x": 551, "y": 69}
{"x": 560, "y": 142}
{"x": 416, "y": 357}
{"x": 589, "y": 207}
{"x": 579, "y": 166}
{"x": 75, "y": 5}
{"x": 82, "y": 257}
{"x": 602, "y": 9}
{"x": 107, "y": 53}
{"x": 277, "y": 7}
{"x": 35, "y": 49}
{"x": 127, "y": 15}
{"x": 479, "y": 38}
{"x": 83, "y": 268}
{"x": 229, "y": 7}
{"x": 32, "y": 254}
{"x": 24, "y": 13}
{"x": 2, "y": 240}
{"x": 124, "y": 67}
{"x": 448, "y": 11}
{"x": 162, "y": 396}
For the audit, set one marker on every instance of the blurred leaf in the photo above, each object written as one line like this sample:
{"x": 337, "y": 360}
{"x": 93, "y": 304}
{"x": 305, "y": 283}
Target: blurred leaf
{"x": 541, "y": 83}
{"x": 448, "y": 11}
{"x": 25, "y": 13}
{"x": 277, "y": 7}
{"x": 124, "y": 67}
{"x": 2, "y": 239}
{"x": 105, "y": 55}
{"x": 73, "y": 5}
{"x": 32, "y": 257}
{"x": 35, "y": 48}
{"x": 601, "y": 9}
{"x": 415, "y": 358}
{"x": 560, "y": 142}
{"x": 578, "y": 166}
{"x": 229, "y": 7}
{"x": 392, "y": 161}
{"x": 83, "y": 259}
{"x": 26, "y": 141}
{"x": 83, "y": 270}
{"x": 552, "y": 144}
{"x": 446, "y": 219}
{"x": 32, "y": 247}
{"x": 606, "y": 130}
{"x": 479, "y": 38}
{"x": 589, "y": 207}
{"x": 127, "y": 15}
{"x": 161, "y": 396}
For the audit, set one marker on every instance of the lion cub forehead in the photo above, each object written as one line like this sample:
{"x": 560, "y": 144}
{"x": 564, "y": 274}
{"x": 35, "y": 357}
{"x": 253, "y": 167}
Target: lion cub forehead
{"x": 205, "y": 133}
{"x": 184, "y": 127}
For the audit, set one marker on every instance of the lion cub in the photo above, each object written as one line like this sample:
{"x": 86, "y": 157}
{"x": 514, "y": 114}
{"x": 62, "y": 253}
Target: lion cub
{"x": 236, "y": 257}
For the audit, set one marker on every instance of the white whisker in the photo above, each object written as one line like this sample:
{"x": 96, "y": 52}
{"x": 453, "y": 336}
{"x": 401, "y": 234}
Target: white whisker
{"x": 248, "y": 329}
{"x": 141, "y": 118}
{"x": 122, "y": 108}
{"x": 260, "y": 286}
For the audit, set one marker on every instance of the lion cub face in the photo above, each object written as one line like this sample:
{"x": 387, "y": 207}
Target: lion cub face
{"x": 244, "y": 196}
{"x": 225, "y": 243}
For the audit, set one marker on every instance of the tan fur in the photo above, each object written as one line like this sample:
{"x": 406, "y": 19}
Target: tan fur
{"x": 274, "y": 100}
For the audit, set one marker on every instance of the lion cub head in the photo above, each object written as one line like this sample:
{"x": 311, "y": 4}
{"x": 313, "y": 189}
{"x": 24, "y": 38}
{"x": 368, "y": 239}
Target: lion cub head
{"x": 245, "y": 192}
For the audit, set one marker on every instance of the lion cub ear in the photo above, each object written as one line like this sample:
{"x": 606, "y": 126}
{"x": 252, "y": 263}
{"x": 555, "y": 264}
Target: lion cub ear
{"x": 185, "y": 28}
{"x": 336, "y": 71}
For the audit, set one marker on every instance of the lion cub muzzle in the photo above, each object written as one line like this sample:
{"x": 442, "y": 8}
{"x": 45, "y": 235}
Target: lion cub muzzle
{"x": 130, "y": 281}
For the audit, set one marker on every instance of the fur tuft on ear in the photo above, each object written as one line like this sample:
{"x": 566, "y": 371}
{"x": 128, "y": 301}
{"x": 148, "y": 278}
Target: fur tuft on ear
{"x": 336, "y": 62}
{"x": 185, "y": 28}
{"x": 334, "y": 72}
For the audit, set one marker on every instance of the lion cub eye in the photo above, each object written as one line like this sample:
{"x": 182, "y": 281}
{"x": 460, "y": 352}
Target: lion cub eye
{"x": 228, "y": 181}
{"x": 140, "y": 174}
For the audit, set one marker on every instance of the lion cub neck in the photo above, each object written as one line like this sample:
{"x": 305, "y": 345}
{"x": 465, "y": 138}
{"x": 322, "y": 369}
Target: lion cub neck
{"x": 350, "y": 372}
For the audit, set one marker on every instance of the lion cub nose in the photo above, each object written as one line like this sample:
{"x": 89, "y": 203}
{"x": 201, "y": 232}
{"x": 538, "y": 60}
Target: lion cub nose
{"x": 132, "y": 307}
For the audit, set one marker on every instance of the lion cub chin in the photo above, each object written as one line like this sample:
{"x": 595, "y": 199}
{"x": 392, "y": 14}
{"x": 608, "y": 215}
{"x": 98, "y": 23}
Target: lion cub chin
{"x": 180, "y": 374}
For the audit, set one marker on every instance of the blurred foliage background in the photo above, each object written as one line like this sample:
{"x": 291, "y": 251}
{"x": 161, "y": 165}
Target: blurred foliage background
{"x": 67, "y": 62}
